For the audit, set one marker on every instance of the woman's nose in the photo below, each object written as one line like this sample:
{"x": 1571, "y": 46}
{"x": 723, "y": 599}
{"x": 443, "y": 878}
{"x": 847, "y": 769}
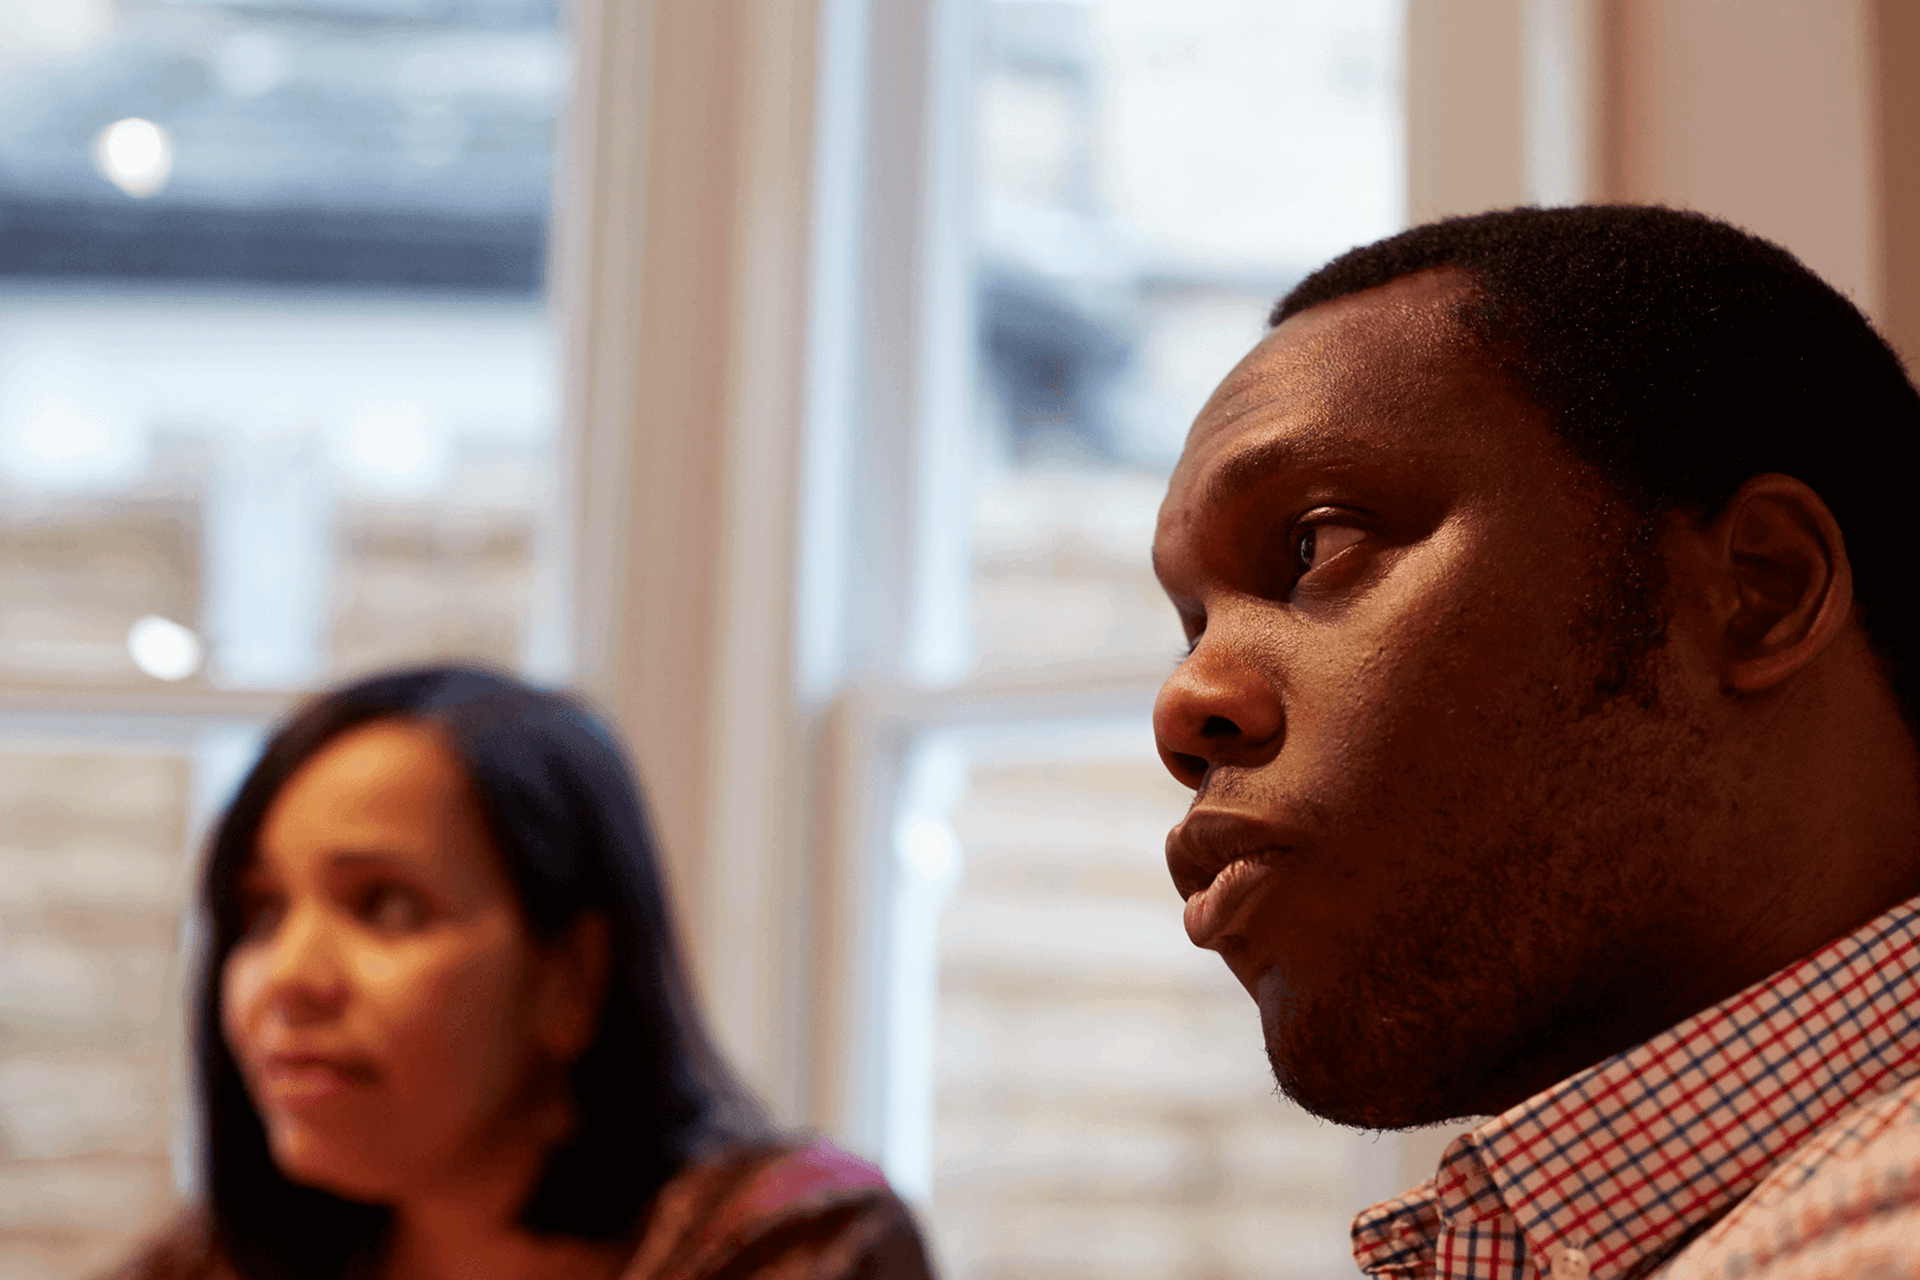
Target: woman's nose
{"x": 305, "y": 980}
{"x": 1216, "y": 709}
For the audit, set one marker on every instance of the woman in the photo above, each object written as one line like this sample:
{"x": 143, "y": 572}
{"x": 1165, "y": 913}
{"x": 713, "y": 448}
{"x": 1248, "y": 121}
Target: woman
{"x": 443, "y": 1028}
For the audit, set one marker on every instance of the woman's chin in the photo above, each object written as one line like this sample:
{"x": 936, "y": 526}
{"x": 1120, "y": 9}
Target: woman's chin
{"x": 316, "y": 1160}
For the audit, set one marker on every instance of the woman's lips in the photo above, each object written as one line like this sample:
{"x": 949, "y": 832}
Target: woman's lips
{"x": 294, "y": 1080}
{"x": 1216, "y": 915}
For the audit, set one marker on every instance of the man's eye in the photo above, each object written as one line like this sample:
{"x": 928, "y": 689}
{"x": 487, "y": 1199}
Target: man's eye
{"x": 393, "y": 908}
{"x": 1321, "y": 542}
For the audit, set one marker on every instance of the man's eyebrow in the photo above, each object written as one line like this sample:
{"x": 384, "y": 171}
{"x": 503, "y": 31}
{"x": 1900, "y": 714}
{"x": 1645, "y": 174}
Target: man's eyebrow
{"x": 1245, "y": 467}
{"x": 1254, "y": 463}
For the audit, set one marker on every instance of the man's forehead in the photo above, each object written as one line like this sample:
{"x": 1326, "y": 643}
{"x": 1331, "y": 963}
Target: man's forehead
{"x": 1375, "y": 348}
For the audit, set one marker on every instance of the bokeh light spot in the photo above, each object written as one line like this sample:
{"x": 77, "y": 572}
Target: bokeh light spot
{"x": 163, "y": 648}
{"x": 135, "y": 155}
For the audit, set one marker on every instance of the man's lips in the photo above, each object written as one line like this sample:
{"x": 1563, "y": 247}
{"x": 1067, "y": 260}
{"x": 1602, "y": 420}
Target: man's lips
{"x": 1222, "y": 863}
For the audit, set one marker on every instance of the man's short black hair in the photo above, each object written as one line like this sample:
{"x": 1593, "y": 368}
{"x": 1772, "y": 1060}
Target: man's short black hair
{"x": 1680, "y": 357}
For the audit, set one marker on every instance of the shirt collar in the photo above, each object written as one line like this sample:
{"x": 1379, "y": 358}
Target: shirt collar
{"x": 1628, "y": 1159}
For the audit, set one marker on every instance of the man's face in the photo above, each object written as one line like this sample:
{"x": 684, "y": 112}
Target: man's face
{"x": 1440, "y": 772}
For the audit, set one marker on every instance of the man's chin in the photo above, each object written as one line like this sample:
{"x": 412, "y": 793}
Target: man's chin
{"x": 1386, "y": 1081}
{"x": 1354, "y": 1102}
{"x": 1363, "y": 1072}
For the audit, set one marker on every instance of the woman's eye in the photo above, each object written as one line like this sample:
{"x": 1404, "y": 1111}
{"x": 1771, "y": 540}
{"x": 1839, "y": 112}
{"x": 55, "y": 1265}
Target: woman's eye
{"x": 393, "y": 908}
{"x": 1319, "y": 543}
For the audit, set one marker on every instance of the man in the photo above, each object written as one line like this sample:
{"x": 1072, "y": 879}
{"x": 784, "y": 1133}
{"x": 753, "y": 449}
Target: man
{"x": 1548, "y": 711}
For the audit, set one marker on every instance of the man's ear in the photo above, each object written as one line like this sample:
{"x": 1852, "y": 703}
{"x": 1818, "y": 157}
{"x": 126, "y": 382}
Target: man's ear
{"x": 573, "y": 987}
{"x": 1786, "y": 588}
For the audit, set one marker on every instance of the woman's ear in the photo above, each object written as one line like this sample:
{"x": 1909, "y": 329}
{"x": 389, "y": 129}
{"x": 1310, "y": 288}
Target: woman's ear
{"x": 1785, "y": 588}
{"x": 573, "y": 986}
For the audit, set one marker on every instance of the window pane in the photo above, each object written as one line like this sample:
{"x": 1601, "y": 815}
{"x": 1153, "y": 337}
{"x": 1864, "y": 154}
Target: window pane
{"x": 1151, "y": 177}
{"x": 277, "y": 404}
{"x": 274, "y": 362}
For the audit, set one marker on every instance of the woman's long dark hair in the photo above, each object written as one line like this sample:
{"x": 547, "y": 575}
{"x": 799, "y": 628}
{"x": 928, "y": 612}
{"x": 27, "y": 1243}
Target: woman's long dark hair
{"x": 566, "y": 816}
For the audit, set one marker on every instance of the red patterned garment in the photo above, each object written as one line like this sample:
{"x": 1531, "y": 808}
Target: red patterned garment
{"x": 1773, "y": 1136}
{"x": 809, "y": 1212}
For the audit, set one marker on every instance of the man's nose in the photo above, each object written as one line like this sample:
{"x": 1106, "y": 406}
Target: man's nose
{"x": 305, "y": 979}
{"x": 1216, "y": 709}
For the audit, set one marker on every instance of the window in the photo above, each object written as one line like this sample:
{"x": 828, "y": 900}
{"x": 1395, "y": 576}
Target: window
{"x": 991, "y": 254}
{"x": 278, "y": 405}
{"x": 1088, "y": 1096}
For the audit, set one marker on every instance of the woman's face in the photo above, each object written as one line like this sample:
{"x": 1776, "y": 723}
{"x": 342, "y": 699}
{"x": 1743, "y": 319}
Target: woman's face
{"x": 396, "y": 1026}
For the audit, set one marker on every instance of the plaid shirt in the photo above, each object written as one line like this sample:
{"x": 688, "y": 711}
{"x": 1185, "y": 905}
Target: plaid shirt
{"x": 1734, "y": 1144}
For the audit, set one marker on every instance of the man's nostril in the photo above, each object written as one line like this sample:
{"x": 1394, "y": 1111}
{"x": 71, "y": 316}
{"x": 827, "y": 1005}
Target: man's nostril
{"x": 1190, "y": 764}
{"x": 1218, "y": 727}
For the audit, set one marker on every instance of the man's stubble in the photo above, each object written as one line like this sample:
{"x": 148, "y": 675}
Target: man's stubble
{"x": 1538, "y": 898}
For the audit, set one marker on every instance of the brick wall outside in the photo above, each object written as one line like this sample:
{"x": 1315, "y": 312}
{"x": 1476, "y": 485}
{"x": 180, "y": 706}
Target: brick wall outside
{"x": 74, "y": 577}
{"x": 91, "y": 877}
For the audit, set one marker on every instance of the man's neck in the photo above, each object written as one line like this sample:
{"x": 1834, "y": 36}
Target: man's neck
{"x": 1819, "y": 835}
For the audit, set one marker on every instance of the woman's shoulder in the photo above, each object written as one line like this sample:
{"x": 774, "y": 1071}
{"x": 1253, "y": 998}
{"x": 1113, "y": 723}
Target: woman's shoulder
{"x": 778, "y": 1211}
